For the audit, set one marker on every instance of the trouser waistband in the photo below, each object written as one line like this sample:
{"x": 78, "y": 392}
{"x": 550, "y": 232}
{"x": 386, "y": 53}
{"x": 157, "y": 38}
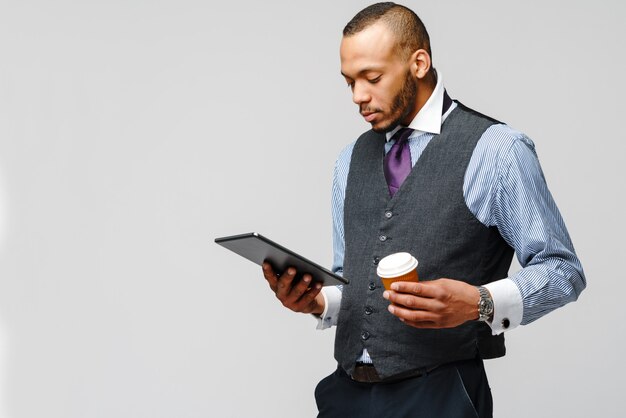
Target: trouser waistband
{"x": 366, "y": 373}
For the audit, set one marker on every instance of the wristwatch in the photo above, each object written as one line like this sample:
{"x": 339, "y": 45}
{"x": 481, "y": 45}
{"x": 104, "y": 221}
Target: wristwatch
{"x": 485, "y": 304}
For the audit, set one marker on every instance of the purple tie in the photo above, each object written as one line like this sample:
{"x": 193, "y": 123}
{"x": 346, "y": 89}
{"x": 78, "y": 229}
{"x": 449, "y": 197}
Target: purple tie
{"x": 397, "y": 162}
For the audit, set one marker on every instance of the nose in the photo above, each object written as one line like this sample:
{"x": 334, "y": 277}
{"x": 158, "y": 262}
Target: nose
{"x": 360, "y": 94}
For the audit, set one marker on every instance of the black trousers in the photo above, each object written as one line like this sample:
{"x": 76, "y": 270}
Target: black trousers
{"x": 455, "y": 390}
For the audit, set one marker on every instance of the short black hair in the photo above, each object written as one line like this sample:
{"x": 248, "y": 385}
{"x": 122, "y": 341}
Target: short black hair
{"x": 409, "y": 30}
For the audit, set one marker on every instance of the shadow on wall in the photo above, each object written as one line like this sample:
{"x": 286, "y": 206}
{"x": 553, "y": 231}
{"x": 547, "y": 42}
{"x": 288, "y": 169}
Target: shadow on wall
{"x": 3, "y": 374}
{"x": 3, "y": 335}
{"x": 3, "y": 214}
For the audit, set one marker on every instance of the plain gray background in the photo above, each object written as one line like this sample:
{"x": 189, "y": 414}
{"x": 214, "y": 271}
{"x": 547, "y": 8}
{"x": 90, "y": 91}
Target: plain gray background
{"x": 133, "y": 133}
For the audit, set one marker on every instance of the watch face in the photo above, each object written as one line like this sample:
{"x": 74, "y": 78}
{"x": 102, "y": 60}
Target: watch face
{"x": 486, "y": 307}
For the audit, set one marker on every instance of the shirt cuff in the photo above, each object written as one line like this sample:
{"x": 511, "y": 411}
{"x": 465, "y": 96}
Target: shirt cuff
{"x": 332, "y": 303}
{"x": 508, "y": 307}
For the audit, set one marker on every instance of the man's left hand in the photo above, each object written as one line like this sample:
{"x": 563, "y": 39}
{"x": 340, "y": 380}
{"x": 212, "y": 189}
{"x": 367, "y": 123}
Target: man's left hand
{"x": 441, "y": 303}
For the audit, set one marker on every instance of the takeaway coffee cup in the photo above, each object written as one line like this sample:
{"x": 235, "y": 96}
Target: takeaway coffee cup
{"x": 398, "y": 267}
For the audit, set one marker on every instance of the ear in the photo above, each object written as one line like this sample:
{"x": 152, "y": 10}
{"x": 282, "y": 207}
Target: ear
{"x": 420, "y": 63}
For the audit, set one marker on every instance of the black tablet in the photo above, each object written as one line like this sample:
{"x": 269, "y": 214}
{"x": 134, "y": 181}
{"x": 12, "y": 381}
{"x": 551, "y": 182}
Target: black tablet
{"x": 256, "y": 248}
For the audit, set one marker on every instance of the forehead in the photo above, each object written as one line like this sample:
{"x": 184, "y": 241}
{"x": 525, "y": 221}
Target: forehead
{"x": 373, "y": 47}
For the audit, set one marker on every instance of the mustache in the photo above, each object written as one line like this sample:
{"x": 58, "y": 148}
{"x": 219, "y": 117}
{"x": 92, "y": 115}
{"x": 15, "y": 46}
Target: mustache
{"x": 368, "y": 110}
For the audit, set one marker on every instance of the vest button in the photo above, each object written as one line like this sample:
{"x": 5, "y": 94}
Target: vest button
{"x": 368, "y": 310}
{"x": 365, "y": 335}
{"x": 383, "y": 238}
{"x": 388, "y": 214}
{"x": 372, "y": 286}
{"x": 375, "y": 260}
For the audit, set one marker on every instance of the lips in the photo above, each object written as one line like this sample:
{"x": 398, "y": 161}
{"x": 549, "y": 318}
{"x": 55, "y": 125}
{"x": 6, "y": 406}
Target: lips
{"x": 369, "y": 116}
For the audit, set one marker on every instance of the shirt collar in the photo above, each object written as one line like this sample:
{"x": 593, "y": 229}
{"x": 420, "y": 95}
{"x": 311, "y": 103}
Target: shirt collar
{"x": 428, "y": 119}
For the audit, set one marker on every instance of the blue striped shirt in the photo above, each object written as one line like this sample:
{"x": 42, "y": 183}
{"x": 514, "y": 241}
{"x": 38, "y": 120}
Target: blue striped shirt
{"x": 503, "y": 187}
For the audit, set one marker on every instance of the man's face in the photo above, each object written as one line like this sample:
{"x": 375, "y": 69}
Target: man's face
{"x": 381, "y": 82}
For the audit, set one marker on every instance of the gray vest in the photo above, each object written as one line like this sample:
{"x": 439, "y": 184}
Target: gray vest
{"x": 427, "y": 217}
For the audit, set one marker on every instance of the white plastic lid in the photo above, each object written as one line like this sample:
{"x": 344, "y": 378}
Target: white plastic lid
{"x": 396, "y": 265}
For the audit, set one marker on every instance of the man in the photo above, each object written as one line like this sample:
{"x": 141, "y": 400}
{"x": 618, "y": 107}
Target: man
{"x": 473, "y": 193}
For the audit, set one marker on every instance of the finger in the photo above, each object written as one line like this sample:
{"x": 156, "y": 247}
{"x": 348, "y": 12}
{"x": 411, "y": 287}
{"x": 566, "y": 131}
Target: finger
{"x": 411, "y": 301}
{"x": 307, "y": 301}
{"x": 413, "y": 315}
{"x": 424, "y": 289}
{"x": 284, "y": 284}
{"x": 270, "y": 276}
{"x": 300, "y": 288}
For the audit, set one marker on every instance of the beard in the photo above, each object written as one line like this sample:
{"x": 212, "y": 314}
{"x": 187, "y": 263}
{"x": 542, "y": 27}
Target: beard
{"x": 401, "y": 105}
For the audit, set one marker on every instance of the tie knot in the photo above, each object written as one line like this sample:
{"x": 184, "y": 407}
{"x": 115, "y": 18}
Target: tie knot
{"x": 402, "y": 135}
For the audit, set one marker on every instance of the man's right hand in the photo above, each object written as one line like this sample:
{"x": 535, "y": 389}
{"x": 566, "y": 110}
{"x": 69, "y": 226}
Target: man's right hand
{"x": 301, "y": 296}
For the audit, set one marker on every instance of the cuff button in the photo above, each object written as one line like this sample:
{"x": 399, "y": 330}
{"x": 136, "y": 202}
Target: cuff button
{"x": 506, "y": 323}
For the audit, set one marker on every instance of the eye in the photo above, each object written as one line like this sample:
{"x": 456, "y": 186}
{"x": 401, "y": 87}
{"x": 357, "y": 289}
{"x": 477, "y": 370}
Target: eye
{"x": 374, "y": 80}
